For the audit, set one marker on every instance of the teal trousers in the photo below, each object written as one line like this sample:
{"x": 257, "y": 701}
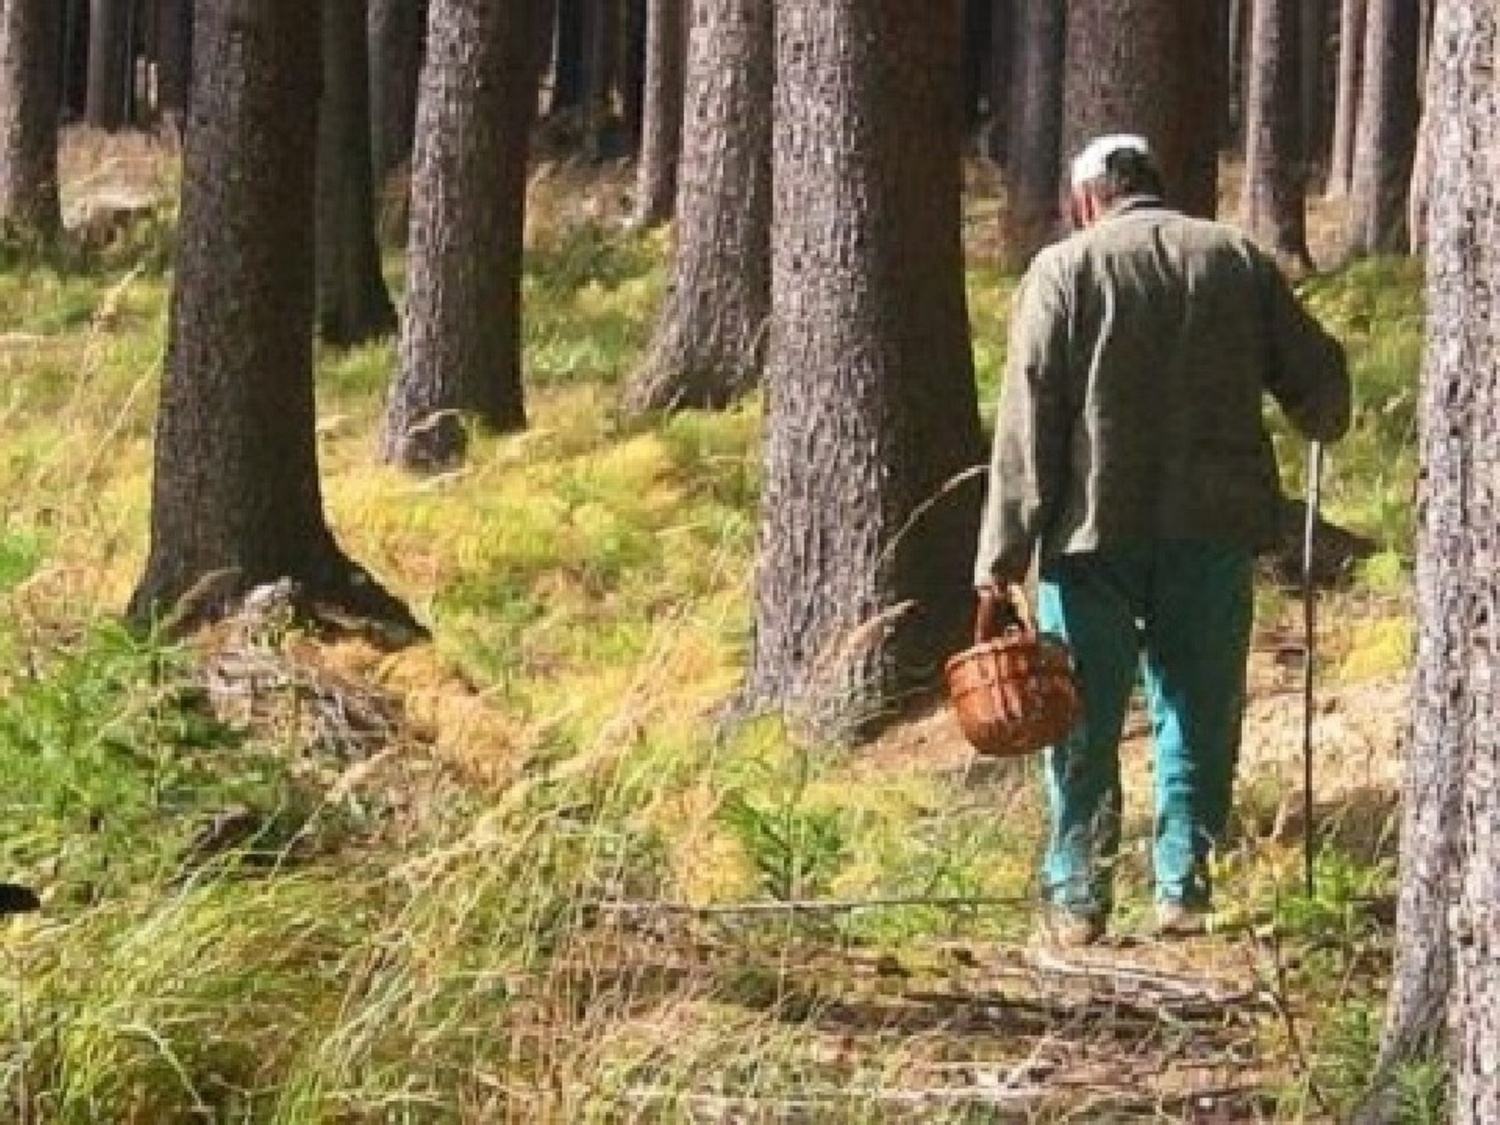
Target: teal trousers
{"x": 1179, "y": 614}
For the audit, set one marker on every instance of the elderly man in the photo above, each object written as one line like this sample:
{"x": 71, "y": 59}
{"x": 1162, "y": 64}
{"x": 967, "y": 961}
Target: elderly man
{"x": 1131, "y": 462}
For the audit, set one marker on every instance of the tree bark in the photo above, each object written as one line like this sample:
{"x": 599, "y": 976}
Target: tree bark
{"x": 871, "y": 409}
{"x": 709, "y": 339}
{"x": 397, "y": 29}
{"x": 1347, "y": 98}
{"x": 633, "y": 74}
{"x": 661, "y": 141}
{"x": 571, "y": 68}
{"x": 1153, "y": 67}
{"x": 1444, "y": 1004}
{"x": 1312, "y": 38}
{"x": 1000, "y": 59}
{"x": 1275, "y": 201}
{"x": 236, "y": 500}
{"x": 1030, "y": 218}
{"x": 109, "y": 64}
{"x": 1385, "y": 140}
{"x": 601, "y": 25}
{"x": 30, "y": 42}
{"x": 353, "y": 302}
{"x": 461, "y": 328}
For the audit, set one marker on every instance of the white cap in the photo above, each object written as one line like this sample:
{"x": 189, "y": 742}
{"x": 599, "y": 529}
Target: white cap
{"x": 1090, "y": 163}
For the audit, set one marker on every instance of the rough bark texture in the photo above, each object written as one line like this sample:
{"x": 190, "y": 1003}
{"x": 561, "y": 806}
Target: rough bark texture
{"x": 1032, "y": 188}
{"x": 709, "y": 338}
{"x": 353, "y": 303}
{"x": 1446, "y": 980}
{"x": 1386, "y": 137}
{"x": 397, "y": 29}
{"x": 661, "y": 130}
{"x": 236, "y": 499}
{"x": 1346, "y": 98}
{"x": 1275, "y": 197}
{"x": 109, "y": 54}
{"x": 871, "y": 410}
{"x": 30, "y": 44}
{"x": 1153, "y": 67}
{"x": 461, "y": 327}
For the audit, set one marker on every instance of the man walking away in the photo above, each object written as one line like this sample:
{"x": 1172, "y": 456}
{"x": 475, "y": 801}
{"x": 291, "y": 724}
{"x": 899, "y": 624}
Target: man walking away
{"x": 1131, "y": 461}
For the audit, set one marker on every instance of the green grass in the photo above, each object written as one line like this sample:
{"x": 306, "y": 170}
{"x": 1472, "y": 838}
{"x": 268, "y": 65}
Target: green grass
{"x": 421, "y": 948}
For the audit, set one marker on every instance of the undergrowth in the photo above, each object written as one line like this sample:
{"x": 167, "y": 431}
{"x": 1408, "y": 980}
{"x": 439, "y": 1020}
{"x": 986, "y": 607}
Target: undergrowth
{"x": 588, "y": 587}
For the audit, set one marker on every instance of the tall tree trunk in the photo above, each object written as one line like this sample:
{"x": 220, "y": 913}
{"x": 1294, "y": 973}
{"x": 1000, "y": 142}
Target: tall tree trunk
{"x": 1153, "y": 67}
{"x": 397, "y": 29}
{"x": 1347, "y": 98}
{"x": 601, "y": 26}
{"x": 461, "y": 328}
{"x": 978, "y": 26}
{"x": 1312, "y": 37}
{"x": 30, "y": 36}
{"x": 353, "y": 303}
{"x": 73, "y": 96}
{"x": 236, "y": 499}
{"x": 871, "y": 406}
{"x": 1032, "y": 190}
{"x": 174, "y": 58}
{"x": 1000, "y": 57}
{"x": 709, "y": 339}
{"x": 109, "y": 63}
{"x": 1386, "y": 138}
{"x": 571, "y": 69}
{"x": 633, "y": 74}
{"x": 1445, "y": 989}
{"x": 1275, "y": 205}
{"x": 661, "y": 141}
{"x": 1237, "y": 64}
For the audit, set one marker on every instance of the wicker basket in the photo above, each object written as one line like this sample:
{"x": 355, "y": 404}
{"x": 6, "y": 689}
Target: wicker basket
{"x": 1014, "y": 691}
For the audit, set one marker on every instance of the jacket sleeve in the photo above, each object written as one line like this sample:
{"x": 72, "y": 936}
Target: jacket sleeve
{"x": 1028, "y": 462}
{"x": 1308, "y": 373}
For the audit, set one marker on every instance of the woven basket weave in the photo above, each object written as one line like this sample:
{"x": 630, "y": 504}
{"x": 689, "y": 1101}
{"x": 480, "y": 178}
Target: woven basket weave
{"x": 1014, "y": 691}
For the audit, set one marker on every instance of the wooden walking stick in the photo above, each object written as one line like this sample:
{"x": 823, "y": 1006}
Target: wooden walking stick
{"x": 1309, "y": 623}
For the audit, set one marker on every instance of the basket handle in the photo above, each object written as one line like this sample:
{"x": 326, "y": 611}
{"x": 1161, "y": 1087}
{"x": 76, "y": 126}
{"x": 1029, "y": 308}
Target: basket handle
{"x": 992, "y": 603}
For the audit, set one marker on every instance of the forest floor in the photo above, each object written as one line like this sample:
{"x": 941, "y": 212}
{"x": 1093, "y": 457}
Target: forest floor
{"x": 517, "y": 874}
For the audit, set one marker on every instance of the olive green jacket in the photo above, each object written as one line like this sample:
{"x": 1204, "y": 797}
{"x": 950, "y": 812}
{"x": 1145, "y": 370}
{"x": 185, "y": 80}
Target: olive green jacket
{"x": 1140, "y": 350}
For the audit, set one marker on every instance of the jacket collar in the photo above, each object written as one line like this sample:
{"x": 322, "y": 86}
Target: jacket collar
{"x": 1133, "y": 203}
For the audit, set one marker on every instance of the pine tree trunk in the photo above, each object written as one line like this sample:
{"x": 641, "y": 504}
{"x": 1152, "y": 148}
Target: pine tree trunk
{"x": 1385, "y": 140}
{"x": 1000, "y": 55}
{"x": 601, "y": 24}
{"x": 1153, "y": 67}
{"x": 871, "y": 406}
{"x": 1275, "y": 201}
{"x": 1347, "y": 99}
{"x": 30, "y": 42}
{"x": 353, "y": 303}
{"x": 571, "y": 71}
{"x": 661, "y": 141}
{"x": 236, "y": 499}
{"x": 633, "y": 74}
{"x": 1312, "y": 37}
{"x": 710, "y": 336}
{"x": 109, "y": 53}
{"x": 461, "y": 327}
{"x": 1444, "y": 1003}
{"x": 397, "y": 29}
{"x": 1458, "y": 710}
{"x": 1237, "y": 39}
{"x": 1032, "y": 190}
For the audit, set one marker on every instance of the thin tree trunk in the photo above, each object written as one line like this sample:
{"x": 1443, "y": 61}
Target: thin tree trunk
{"x": 461, "y": 327}
{"x": 1237, "y": 32}
{"x": 30, "y": 33}
{"x": 661, "y": 142}
{"x": 1001, "y": 57}
{"x": 174, "y": 53}
{"x": 633, "y": 73}
{"x": 1346, "y": 102}
{"x": 397, "y": 29}
{"x": 710, "y": 336}
{"x": 871, "y": 406}
{"x": 601, "y": 25}
{"x": 353, "y": 303}
{"x": 236, "y": 500}
{"x": 1032, "y": 190}
{"x": 1312, "y": 37}
{"x": 1275, "y": 200}
{"x": 1386, "y": 138}
{"x": 571, "y": 68}
{"x": 108, "y": 64}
